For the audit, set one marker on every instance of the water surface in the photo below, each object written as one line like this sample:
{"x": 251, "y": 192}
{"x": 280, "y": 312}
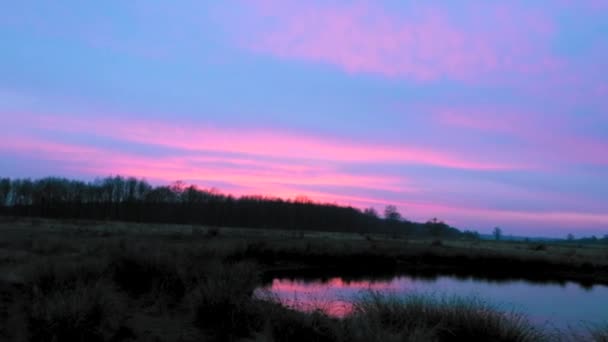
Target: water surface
{"x": 561, "y": 306}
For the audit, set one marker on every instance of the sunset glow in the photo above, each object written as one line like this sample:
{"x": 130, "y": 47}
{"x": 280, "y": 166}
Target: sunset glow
{"x": 478, "y": 113}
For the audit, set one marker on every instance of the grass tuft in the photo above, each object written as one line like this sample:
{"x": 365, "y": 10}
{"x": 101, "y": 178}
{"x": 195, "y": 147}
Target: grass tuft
{"x": 139, "y": 275}
{"x": 222, "y": 302}
{"x": 45, "y": 277}
{"x": 600, "y": 334}
{"x": 83, "y": 313}
{"x": 442, "y": 319}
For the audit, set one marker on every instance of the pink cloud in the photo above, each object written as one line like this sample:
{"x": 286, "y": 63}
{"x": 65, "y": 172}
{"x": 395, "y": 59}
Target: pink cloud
{"x": 550, "y": 139}
{"x": 248, "y": 163}
{"x": 427, "y": 44}
{"x": 265, "y": 143}
{"x": 542, "y": 221}
{"x": 276, "y": 178}
{"x": 490, "y": 43}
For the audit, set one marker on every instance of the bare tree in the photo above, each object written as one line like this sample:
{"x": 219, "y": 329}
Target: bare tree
{"x": 5, "y": 188}
{"x": 371, "y": 212}
{"x": 391, "y": 213}
{"x": 471, "y": 234}
{"x": 436, "y": 227}
{"x": 497, "y": 233}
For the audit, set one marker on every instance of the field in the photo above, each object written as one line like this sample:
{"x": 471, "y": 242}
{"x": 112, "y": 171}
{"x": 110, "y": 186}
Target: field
{"x": 99, "y": 281}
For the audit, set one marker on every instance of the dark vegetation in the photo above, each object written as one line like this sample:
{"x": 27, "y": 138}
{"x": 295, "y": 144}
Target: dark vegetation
{"x": 120, "y": 260}
{"x": 86, "y": 281}
{"x": 133, "y": 200}
{"x": 600, "y": 334}
{"x": 99, "y": 281}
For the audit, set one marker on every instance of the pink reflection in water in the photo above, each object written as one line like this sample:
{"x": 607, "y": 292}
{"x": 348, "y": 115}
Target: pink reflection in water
{"x": 333, "y": 297}
{"x": 559, "y": 305}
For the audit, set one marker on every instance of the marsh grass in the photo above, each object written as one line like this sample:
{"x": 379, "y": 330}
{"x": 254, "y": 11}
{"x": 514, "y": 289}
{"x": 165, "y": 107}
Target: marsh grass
{"x": 141, "y": 275}
{"x": 437, "y": 318}
{"x": 290, "y": 325}
{"x": 112, "y": 281}
{"x": 379, "y": 318}
{"x": 45, "y": 276}
{"x": 89, "y": 312}
{"x": 599, "y": 334}
{"x": 222, "y": 302}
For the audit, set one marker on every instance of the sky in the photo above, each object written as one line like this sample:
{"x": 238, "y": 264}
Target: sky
{"x": 480, "y": 113}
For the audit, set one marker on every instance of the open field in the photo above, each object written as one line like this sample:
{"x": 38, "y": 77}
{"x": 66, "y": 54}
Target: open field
{"x": 95, "y": 281}
{"x": 297, "y": 250}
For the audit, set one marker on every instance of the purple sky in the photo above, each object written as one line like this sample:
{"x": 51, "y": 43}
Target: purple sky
{"x": 480, "y": 113}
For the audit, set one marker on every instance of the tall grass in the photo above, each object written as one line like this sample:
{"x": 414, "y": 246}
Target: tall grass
{"x": 386, "y": 318}
{"x": 82, "y": 313}
{"x": 80, "y": 286}
{"x": 600, "y": 334}
{"x": 156, "y": 275}
{"x": 222, "y": 302}
{"x": 383, "y": 318}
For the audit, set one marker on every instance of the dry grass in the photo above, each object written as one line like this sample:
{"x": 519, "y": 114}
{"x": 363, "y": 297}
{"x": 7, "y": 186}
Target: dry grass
{"x": 90, "y": 312}
{"x": 83, "y": 281}
{"x": 600, "y": 334}
{"x": 380, "y": 318}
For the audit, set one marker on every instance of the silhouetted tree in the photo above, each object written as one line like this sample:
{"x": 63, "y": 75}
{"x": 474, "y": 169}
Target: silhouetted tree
{"x": 471, "y": 234}
{"x": 130, "y": 199}
{"x": 5, "y": 188}
{"x": 497, "y": 233}
{"x": 570, "y": 237}
{"x": 371, "y": 212}
{"x": 391, "y": 213}
{"x": 435, "y": 227}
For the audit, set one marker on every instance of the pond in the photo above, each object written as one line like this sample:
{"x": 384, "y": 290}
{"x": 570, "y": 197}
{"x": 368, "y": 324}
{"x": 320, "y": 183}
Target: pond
{"x": 557, "y": 305}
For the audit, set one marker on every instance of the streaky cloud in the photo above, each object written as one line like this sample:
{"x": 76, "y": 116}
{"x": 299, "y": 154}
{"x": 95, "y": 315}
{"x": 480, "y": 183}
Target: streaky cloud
{"x": 266, "y": 143}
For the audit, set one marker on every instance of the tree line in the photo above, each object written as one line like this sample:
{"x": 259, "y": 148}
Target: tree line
{"x": 135, "y": 200}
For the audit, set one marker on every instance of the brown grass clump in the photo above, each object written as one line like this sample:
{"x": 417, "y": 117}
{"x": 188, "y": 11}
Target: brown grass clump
{"x": 382, "y": 318}
{"x": 82, "y": 313}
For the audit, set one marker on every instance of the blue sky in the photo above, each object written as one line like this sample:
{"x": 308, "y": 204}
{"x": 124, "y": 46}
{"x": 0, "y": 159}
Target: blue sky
{"x": 478, "y": 113}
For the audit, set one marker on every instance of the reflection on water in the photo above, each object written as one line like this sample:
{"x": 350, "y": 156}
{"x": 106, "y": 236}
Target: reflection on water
{"x": 557, "y": 305}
